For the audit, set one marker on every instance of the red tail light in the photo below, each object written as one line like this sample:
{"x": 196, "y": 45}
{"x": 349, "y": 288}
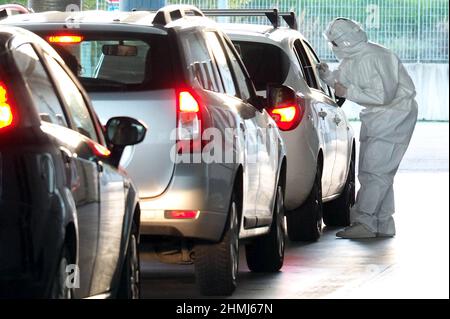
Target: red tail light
{"x": 65, "y": 39}
{"x": 6, "y": 112}
{"x": 288, "y": 117}
{"x": 187, "y": 103}
{"x": 189, "y": 132}
{"x": 181, "y": 214}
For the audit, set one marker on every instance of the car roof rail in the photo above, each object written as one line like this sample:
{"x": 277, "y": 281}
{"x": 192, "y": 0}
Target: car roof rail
{"x": 6, "y": 8}
{"x": 272, "y": 14}
{"x": 174, "y": 12}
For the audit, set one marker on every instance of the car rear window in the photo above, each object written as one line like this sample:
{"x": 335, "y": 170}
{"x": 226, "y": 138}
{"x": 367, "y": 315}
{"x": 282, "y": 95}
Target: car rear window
{"x": 266, "y": 63}
{"x": 118, "y": 62}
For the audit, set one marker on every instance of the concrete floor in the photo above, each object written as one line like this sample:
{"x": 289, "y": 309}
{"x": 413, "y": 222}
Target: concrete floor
{"x": 414, "y": 264}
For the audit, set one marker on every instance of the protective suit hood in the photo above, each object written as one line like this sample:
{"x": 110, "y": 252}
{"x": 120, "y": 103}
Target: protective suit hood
{"x": 345, "y": 37}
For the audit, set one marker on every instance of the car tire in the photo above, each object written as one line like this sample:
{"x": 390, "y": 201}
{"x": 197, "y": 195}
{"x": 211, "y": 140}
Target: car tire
{"x": 129, "y": 287}
{"x": 59, "y": 289}
{"x": 305, "y": 222}
{"x": 266, "y": 253}
{"x": 216, "y": 265}
{"x": 337, "y": 212}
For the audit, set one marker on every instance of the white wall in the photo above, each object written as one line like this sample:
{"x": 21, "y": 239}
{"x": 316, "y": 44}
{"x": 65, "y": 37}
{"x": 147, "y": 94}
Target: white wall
{"x": 432, "y": 87}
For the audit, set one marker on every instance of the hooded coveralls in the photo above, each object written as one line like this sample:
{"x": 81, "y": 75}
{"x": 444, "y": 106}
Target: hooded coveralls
{"x": 377, "y": 80}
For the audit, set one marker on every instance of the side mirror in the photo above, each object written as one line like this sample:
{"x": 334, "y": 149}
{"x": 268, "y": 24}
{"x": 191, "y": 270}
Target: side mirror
{"x": 123, "y": 131}
{"x": 280, "y": 95}
{"x": 340, "y": 100}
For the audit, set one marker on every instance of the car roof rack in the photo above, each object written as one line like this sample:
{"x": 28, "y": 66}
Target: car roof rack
{"x": 272, "y": 14}
{"x": 174, "y": 12}
{"x": 4, "y": 8}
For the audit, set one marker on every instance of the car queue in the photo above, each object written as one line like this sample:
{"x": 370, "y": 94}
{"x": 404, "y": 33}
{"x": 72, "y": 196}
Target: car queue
{"x": 235, "y": 145}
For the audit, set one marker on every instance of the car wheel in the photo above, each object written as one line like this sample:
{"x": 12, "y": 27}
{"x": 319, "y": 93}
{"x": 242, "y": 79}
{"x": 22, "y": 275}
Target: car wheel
{"x": 129, "y": 287}
{"x": 266, "y": 253}
{"x": 216, "y": 265}
{"x": 305, "y": 222}
{"x": 337, "y": 212}
{"x": 60, "y": 289}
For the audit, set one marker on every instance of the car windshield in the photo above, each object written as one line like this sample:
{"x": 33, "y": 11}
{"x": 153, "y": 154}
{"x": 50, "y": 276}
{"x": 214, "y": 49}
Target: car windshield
{"x": 266, "y": 63}
{"x": 111, "y": 62}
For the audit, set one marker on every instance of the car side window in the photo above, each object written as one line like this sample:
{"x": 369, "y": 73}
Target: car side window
{"x": 42, "y": 90}
{"x": 306, "y": 65}
{"x": 241, "y": 78}
{"x": 199, "y": 62}
{"x": 78, "y": 110}
{"x": 221, "y": 60}
{"x": 315, "y": 61}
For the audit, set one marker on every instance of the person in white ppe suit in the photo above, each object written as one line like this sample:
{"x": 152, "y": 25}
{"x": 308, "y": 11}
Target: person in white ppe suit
{"x": 373, "y": 76}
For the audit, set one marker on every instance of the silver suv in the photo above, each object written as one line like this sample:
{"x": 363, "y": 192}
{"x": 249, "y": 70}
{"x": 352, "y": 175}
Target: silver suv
{"x": 213, "y": 170}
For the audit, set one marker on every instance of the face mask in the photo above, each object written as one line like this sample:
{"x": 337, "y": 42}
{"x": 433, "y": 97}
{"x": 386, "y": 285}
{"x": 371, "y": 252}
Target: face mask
{"x": 342, "y": 53}
{"x": 339, "y": 53}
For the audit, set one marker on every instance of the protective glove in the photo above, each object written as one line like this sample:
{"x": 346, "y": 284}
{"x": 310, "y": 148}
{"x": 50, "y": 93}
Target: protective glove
{"x": 340, "y": 90}
{"x": 324, "y": 70}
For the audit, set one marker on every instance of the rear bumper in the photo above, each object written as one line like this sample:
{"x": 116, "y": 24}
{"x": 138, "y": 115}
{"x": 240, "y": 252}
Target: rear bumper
{"x": 207, "y": 225}
{"x": 206, "y": 188}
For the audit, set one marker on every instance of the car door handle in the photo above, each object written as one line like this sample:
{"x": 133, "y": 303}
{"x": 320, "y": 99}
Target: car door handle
{"x": 323, "y": 114}
{"x": 100, "y": 167}
{"x": 242, "y": 129}
{"x": 259, "y": 134}
{"x": 66, "y": 155}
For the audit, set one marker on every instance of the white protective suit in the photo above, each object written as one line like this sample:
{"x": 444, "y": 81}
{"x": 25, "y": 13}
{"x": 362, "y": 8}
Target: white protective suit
{"x": 376, "y": 79}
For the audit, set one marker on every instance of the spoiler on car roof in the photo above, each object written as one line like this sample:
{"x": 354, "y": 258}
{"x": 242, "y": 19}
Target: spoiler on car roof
{"x": 272, "y": 14}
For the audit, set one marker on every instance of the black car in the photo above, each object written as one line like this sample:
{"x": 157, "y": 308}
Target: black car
{"x": 69, "y": 215}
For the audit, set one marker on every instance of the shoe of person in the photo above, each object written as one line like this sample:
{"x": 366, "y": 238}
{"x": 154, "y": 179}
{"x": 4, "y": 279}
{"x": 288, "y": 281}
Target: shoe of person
{"x": 356, "y": 231}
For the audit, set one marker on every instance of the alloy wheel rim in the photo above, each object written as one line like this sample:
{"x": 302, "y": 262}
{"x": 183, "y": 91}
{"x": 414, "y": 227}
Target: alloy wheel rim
{"x": 319, "y": 201}
{"x": 134, "y": 269}
{"x": 234, "y": 241}
{"x": 352, "y": 185}
{"x": 280, "y": 223}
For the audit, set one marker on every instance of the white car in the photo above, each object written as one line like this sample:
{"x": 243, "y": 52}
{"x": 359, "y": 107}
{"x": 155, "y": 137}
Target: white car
{"x": 319, "y": 139}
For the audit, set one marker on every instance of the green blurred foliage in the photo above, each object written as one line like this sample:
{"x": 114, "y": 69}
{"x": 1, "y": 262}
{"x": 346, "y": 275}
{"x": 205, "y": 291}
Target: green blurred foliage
{"x": 89, "y": 4}
{"x": 22, "y": 2}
